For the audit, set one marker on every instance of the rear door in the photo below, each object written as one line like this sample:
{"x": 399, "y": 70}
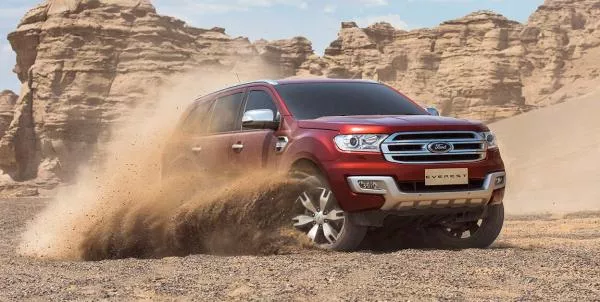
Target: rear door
{"x": 213, "y": 149}
{"x": 257, "y": 146}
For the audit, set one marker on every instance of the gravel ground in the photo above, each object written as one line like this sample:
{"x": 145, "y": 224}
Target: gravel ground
{"x": 536, "y": 258}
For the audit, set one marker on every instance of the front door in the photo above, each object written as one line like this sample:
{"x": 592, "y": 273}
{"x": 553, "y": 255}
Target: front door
{"x": 257, "y": 146}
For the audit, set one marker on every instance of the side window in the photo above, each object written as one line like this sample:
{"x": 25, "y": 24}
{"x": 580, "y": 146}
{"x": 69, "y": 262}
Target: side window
{"x": 259, "y": 99}
{"x": 225, "y": 113}
{"x": 197, "y": 120}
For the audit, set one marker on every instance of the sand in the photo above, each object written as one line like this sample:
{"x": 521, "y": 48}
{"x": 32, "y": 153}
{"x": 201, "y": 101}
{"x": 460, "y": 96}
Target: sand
{"x": 552, "y": 157}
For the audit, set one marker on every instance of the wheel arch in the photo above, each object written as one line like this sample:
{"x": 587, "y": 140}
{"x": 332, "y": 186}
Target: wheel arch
{"x": 306, "y": 165}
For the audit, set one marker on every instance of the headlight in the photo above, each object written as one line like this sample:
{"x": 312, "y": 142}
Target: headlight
{"x": 490, "y": 139}
{"x": 360, "y": 142}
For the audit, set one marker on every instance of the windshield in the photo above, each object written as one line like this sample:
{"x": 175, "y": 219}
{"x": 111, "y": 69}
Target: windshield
{"x": 308, "y": 101}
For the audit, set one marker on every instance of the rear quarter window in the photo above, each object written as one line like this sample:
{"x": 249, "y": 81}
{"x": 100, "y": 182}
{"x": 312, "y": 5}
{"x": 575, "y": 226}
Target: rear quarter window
{"x": 225, "y": 114}
{"x": 197, "y": 120}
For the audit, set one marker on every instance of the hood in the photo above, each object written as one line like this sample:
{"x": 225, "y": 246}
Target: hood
{"x": 390, "y": 124}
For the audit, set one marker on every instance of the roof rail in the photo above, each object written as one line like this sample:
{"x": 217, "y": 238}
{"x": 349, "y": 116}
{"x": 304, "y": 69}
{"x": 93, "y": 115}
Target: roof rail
{"x": 270, "y": 82}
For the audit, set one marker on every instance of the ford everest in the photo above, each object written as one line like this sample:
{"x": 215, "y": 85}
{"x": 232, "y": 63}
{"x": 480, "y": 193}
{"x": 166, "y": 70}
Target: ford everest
{"x": 375, "y": 159}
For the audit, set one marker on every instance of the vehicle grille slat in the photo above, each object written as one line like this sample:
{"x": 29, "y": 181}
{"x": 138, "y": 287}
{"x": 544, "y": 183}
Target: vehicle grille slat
{"x": 407, "y": 148}
{"x": 468, "y": 146}
{"x": 414, "y": 147}
{"x": 434, "y": 136}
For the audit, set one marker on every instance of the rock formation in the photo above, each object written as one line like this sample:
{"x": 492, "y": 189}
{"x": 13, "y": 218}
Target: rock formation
{"x": 288, "y": 55}
{"x": 84, "y": 64}
{"x": 8, "y": 99}
{"x": 562, "y": 39}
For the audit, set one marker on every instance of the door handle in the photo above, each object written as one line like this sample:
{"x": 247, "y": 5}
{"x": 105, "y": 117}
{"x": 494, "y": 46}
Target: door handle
{"x": 197, "y": 149}
{"x": 237, "y": 147}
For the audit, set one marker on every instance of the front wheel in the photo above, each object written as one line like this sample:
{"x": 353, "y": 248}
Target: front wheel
{"x": 464, "y": 235}
{"x": 318, "y": 215}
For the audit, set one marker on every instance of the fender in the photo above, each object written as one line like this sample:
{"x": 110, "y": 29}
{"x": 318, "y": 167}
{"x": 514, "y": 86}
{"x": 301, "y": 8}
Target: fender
{"x": 312, "y": 144}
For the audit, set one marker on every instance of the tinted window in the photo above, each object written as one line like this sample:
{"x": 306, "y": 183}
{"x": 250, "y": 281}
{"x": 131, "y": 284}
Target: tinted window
{"x": 225, "y": 113}
{"x": 197, "y": 120}
{"x": 259, "y": 99}
{"x": 314, "y": 100}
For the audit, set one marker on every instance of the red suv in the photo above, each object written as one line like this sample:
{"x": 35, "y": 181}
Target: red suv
{"x": 373, "y": 158}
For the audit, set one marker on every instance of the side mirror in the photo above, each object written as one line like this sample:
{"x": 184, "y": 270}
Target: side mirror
{"x": 433, "y": 111}
{"x": 260, "y": 119}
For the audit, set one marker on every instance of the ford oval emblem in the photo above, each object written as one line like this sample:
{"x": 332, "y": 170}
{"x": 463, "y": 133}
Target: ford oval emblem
{"x": 439, "y": 147}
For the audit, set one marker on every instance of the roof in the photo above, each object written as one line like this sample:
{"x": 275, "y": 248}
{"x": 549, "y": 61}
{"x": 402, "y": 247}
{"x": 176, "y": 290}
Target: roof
{"x": 296, "y": 80}
{"x": 291, "y": 81}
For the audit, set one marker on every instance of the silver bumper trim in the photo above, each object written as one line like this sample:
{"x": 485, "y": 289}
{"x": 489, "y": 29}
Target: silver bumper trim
{"x": 398, "y": 200}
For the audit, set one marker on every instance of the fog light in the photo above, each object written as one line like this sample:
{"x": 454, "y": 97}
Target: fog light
{"x": 500, "y": 180}
{"x": 369, "y": 185}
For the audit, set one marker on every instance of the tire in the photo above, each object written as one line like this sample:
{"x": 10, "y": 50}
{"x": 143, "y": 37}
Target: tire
{"x": 329, "y": 228}
{"x": 480, "y": 237}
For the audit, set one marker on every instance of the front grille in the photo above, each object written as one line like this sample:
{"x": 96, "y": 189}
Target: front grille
{"x": 420, "y": 187}
{"x": 414, "y": 147}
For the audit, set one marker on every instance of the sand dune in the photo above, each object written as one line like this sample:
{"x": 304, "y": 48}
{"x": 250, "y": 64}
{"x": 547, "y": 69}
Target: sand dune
{"x": 553, "y": 157}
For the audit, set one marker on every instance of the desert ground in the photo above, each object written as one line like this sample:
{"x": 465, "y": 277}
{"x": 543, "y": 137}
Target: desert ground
{"x": 537, "y": 258}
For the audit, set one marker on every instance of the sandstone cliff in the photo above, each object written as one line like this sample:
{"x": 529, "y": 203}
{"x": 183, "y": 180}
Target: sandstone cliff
{"x": 84, "y": 64}
{"x": 562, "y": 39}
{"x": 8, "y": 99}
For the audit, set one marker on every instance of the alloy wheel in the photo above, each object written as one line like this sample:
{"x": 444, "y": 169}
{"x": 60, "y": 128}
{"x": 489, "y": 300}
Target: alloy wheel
{"x": 322, "y": 220}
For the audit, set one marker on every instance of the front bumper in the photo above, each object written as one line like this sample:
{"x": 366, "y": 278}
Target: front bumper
{"x": 395, "y": 199}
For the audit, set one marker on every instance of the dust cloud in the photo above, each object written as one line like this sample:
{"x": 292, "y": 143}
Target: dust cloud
{"x": 179, "y": 219}
{"x": 124, "y": 208}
